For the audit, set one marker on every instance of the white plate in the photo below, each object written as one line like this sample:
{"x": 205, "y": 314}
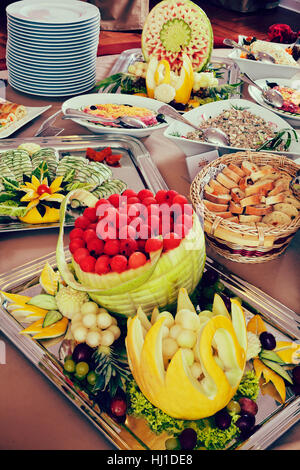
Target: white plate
{"x": 61, "y": 80}
{"x": 52, "y": 31}
{"x": 65, "y": 88}
{"x": 192, "y": 147}
{"x": 43, "y": 61}
{"x": 57, "y": 40}
{"x": 258, "y": 69}
{"x": 255, "y": 93}
{"x": 50, "y": 28}
{"x": 52, "y": 11}
{"x": 31, "y": 114}
{"x": 54, "y": 94}
{"x": 104, "y": 98}
{"x": 64, "y": 66}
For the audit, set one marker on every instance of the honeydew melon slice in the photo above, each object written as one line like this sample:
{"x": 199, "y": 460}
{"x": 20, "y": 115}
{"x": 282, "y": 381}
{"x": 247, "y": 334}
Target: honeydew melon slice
{"x": 175, "y": 27}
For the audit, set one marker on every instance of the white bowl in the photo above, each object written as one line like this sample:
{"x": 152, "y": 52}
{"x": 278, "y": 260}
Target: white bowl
{"x": 258, "y": 70}
{"x": 193, "y": 147}
{"x": 115, "y": 98}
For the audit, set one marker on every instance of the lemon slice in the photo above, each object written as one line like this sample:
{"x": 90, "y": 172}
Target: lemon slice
{"x": 288, "y": 351}
{"x": 162, "y": 72}
{"x": 49, "y": 279}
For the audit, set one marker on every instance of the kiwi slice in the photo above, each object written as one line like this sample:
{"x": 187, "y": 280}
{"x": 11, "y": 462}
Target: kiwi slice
{"x": 175, "y": 34}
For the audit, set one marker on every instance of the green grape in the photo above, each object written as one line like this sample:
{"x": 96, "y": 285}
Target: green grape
{"x": 82, "y": 369}
{"x": 91, "y": 377}
{"x": 69, "y": 365}
{"x": 172, "y": 443}
{"x": 233, "y": 406}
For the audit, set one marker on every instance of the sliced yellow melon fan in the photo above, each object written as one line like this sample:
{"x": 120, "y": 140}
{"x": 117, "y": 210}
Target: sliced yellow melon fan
{"x": 195, "y": 375}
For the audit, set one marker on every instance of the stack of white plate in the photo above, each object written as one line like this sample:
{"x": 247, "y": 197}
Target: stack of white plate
{"x": 52, "y": 46}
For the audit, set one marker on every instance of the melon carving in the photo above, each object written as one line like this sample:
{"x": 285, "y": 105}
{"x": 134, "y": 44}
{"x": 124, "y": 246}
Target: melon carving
{"x": 220, "y": 352}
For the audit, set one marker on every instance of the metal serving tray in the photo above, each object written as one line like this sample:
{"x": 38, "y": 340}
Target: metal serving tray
{"x": 229, "y": 69}
{"x": 137, "y": 169}
{"x": 273, "y": 419}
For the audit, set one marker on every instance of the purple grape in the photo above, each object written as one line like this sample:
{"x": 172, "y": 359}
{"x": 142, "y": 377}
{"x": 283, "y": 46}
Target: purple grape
{"x": 296, "y": 375}
{"x": 222, "y": 419}
{"x": 188, "y": 439}
{"x": 248, "y": 406}
{"x": 267, "y": 340}
{"x": 245, "y": 423}
{"x": 82, "y": 352}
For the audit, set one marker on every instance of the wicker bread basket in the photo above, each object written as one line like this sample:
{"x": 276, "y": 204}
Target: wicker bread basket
{"x": 236, "y": 242}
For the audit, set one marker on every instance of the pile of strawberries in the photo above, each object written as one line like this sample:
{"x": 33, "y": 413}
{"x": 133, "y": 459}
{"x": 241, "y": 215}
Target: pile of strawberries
{"x": 120, "y": 232}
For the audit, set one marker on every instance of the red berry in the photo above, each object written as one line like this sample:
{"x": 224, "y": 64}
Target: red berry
{"x": 171, "y": 240}
{"x": 136, "y": 260}
{"x": 89, "y": 234}
{"x": 154, "y": 224}
{"x": 118, "y": 407}
{"x": 95, "y": 246}
{"x": 102, "y": 265}
{"x": 105, "y": 230}
{"x": 170, "y": 196}
{"x": 93, "y": 226}
{"x": 76, "y": 233}
{"x": 129, "y": 246}
{"x": 115, "y": 200}
{"x": 79, "y": 254}
{"x": 90, "y": 213}
{"x": 87, "y": 264}
{"x": 148, "y": 201}
{"x": 161, "y": 196}
{"x": 153, "y": 209}
{"x": 118, "y": 263}
{"x": 141, "y": 245}
{"x": 100, "y": 202}
{"x": 144, "y": 193}
{"x": 179, "y": 199}
{"x": 133, "y": 200}
{"x": 153, "y": 244}
{"x": 76, "y": 243}
{"x": 43, "y": 188}
{"x": 129, "y": 193}
{"x": 112, "y": 247}
{"x": 82, "y": 222}
{"x": 127, "y": 231}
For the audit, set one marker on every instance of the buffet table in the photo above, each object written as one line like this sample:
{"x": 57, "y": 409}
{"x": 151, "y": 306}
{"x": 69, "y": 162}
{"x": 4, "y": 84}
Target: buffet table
{"x": 33, "y": 414}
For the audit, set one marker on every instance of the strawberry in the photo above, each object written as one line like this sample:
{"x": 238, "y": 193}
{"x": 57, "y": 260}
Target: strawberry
{"x": 129, "y": 193}
{"x": 89, "y": 234}
{"x": 82, "y": 222}
{"x": 111, "y": 247}
{"x": 76, "y": 243}
{"x": 118, "y": 263}
{"x": 76, "y": 233}
{"x": 95, "y": 246}
{"x": 170, "y": 196}
{"x": 129, "y": 246}
{"x": 115, "y": 200}
{"x": 136, "y": 260}
{"x": 133, "y": 200}
{"x": 101, "y": 202}
{"x": 144, "y": 193}
{"x": 148, "y": 201}
{"x": 102, "y": 265}
{"x": 179, "y": 199}
{"x": 90, "y": 213}
{"x": 79, "y": 254}
{"x": 171, "y": 240}
{"x": 153, "y": 244}
{"x": 87, "y": 264}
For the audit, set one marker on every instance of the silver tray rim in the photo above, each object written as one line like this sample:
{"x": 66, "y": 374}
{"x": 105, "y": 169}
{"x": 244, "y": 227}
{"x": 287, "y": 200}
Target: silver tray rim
{"x": 277, "y": 314}
{"x": 139, "y": 155}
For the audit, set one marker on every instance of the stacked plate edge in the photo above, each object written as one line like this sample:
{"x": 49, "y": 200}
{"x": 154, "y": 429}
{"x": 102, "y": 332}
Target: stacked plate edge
{"x": 52, "y": 46}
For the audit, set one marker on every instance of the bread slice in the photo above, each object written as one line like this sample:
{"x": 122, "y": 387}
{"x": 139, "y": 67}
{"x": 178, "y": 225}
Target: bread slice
{"x": 236, "y": 169}
{"x": 251, "y": 200}
{"x": 280, "y": 185}
{"x": 231, "y": 174}
{"x": 237, "y": 194}
{"x": 218, "y": 188}
{"x": 235, "y": 207}
{"x": 264, "y": 172}
{"x": 211, "y": 206}
{"x": 208, "y": 189}
{"x": 217, "y": 198}
{"x": 275, "y": 199}
{"x": 246, "y": 219}
{"x": 259, "y": 210}
{"x": 288, "y": 209}
{"x": 276, "y": 218}
{"x": 248, "y": 167}
{"x": 225, "y": 181}
{"x": 261, "y": 187}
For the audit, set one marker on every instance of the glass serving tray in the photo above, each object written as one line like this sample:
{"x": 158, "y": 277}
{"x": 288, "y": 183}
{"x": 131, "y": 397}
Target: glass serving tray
{"x": 137, "y": 169}
{"x": 273, "y": 419}
{"x": 230, "y": 71}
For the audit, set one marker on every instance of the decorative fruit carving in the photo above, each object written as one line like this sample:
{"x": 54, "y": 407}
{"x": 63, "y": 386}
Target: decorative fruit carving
{"x": 199, "y": 379}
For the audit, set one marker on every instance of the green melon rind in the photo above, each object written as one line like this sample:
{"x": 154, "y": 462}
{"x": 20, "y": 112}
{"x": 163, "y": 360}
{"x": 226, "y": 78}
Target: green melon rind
{"x": 204, "y": 64}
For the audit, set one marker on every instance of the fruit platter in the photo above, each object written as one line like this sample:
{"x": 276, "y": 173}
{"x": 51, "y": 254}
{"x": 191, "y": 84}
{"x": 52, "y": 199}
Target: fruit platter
{"x": 37, "y": 173}
{"x": 157, "y": 345}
